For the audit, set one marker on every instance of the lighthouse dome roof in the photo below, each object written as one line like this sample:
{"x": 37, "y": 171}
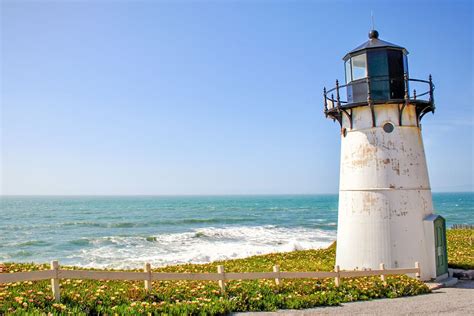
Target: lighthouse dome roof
{"x": 372, "y": 43}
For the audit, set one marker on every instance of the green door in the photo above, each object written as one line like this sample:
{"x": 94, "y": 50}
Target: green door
{"x": 440, "y": 244}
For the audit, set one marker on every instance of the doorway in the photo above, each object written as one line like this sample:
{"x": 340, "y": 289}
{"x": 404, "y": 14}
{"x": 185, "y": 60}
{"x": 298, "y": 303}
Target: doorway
{"x": 440, "y": 246}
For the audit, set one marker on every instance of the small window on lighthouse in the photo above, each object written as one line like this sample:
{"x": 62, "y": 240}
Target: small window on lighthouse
{"x": 359, "y": 67}
{"x": 388, "y": 127}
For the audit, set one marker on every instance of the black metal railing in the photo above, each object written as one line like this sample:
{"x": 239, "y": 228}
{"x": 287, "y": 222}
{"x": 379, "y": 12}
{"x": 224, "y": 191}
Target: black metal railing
{"x": 374, "y": 90}
{"x": 398, "y": 90}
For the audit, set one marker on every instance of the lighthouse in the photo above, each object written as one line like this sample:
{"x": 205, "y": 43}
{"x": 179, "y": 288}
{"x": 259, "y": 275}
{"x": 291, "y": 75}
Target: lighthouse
{"x": 385, "y": 206}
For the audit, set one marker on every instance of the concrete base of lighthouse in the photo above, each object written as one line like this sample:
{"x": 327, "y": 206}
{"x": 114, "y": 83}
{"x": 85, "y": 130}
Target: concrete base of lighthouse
{"x": 385, "y": 194}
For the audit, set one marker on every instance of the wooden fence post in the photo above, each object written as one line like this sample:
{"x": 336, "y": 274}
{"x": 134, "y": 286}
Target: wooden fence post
{"x": 55, "y": 280}
{"x": 418, "y": 273}
{"x": 276, "y": 269}
{"x": 337, "y": 279}
{"x": 382, "y": 276}
{"x": 220, "y": 269}
{"x": 148, "y": 280}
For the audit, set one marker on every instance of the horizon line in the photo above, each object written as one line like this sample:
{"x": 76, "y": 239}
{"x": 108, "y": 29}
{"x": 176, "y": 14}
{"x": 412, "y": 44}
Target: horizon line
{"x": 190, "y": 195}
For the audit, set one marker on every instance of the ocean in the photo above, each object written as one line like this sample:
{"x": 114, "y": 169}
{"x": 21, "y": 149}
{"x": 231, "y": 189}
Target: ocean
{"x": 125, "y": 232}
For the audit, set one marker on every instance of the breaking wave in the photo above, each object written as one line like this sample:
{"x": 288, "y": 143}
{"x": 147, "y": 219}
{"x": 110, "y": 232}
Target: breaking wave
{"x": 197, "y": 246}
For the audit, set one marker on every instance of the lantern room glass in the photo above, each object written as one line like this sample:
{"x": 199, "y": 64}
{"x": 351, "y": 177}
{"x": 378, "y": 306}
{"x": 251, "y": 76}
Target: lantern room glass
{"x": 348, "y": 71}
{"x": 378, "y": 72}
{"x": 359, "y": 66}
{"x": 385, "y": 68}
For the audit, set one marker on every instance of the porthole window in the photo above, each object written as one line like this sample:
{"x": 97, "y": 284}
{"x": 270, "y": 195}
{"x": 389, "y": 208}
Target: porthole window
{"x": 388, "y": 127}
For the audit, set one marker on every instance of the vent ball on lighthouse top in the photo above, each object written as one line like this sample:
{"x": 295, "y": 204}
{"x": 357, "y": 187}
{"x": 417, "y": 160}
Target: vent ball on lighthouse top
{"x": 379, "y": 65}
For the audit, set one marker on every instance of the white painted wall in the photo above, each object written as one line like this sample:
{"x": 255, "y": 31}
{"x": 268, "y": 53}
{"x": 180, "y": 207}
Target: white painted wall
{"x": 384, "y": 193}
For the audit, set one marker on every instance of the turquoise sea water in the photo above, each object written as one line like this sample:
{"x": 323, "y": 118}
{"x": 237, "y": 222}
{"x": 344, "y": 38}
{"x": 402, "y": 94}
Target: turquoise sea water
{"x": 128, "y": 231}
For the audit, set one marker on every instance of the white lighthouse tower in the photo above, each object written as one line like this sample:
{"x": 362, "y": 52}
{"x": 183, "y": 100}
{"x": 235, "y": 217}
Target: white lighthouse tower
{"x": 385, "y": 205}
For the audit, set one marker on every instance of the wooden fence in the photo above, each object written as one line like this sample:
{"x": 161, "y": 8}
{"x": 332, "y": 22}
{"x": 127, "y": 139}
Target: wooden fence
{"x": 55, "y": 274}
{"x": 462, "y": 226}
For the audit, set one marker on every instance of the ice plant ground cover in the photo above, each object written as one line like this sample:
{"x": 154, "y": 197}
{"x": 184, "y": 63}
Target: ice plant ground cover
{"x": 203, "y": 297}
{"x": 460, "y": 248}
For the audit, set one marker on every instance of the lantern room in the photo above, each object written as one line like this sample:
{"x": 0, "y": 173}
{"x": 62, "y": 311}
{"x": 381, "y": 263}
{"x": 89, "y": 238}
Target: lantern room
{"x": 384, "y": 63}
{"x": 376, "y": 72}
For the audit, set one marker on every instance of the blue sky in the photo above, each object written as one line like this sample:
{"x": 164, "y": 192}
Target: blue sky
{"x": 197, "y": 97}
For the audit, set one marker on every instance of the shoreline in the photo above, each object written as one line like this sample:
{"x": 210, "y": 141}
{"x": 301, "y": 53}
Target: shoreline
{"x": 193, "y": 297}
{"x": 187, "y": 264}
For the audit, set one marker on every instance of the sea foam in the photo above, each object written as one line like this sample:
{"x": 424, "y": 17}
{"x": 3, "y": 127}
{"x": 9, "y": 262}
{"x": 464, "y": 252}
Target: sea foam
{"x": 198, "y": 246}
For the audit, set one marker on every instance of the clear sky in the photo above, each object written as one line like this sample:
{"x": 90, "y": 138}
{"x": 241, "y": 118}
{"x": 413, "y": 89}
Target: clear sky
{"x": 218, "y": 97}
